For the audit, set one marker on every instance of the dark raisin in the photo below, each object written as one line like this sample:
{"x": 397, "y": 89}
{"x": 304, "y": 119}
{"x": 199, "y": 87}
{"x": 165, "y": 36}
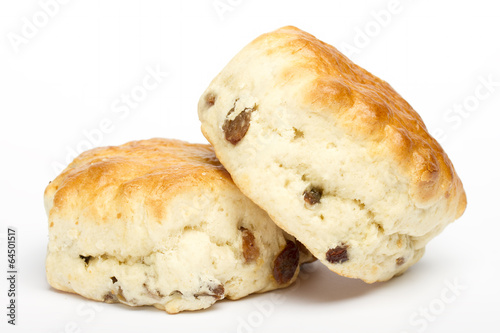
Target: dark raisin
{"x": 400, "y": 261}
{"x": 286, "y": 263}
{"x": 235, "y": 130}
{"x": 313, "y": 196}
{"x": 302, "y": 248}
{"x": 86, "y": 259}
{"x": 337, "y": 255}
{"x": 250, "y": 250}
{"x": 218, "y": 291}
{"x": 210, "y": 99}
{"x": 114, "y": 279}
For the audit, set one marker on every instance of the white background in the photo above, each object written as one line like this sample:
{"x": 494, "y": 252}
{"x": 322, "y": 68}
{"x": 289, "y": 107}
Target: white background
{"x": 61, "y": 81}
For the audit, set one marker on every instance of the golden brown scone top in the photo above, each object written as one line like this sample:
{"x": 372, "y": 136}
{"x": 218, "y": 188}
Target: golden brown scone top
{"x": 369, "y": 109}
{"x": 155, "y": 169}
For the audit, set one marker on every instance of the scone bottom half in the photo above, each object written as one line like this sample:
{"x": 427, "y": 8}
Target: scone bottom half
{"x": 332, "y": 153}
{"x": 159, "y": 222}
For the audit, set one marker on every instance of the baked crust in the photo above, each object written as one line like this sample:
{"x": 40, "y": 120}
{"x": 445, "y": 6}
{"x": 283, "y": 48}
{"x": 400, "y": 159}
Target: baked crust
{"x": 157, "y": 166}
{"x": 368, "y": 109}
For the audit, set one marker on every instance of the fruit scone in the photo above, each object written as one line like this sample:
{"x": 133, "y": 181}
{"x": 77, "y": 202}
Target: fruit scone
{"x": 160, "y": 222}
{"x": 332, "y": 153}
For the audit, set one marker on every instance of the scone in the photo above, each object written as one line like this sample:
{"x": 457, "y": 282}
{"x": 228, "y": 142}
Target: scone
{"x": 160, "y": 222}
{"x": 332, "y": 153}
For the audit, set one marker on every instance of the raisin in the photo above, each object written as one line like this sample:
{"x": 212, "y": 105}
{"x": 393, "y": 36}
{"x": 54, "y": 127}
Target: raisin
{"x": 313, "y": 196}
{"x": 337, "y": 255}
{"x": 218, "y": 291}
{"x": 250, "y": 250}
{"x": 235, "y": 130}
{"x": 210, "y": 99}
{"x": 400, "y": 261}
{"x": 286, "y": 263}
{"x": 302, "y": 248}
{"x": 113, "y": 279}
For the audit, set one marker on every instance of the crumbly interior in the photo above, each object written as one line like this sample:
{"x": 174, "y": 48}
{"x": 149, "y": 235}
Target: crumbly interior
{"x": 365, "y": 205}
{"x": 186, "y": 265}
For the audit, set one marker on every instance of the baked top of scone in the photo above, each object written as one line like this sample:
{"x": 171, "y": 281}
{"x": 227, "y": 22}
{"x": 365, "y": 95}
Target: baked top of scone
{"x": 290, "y": 111}
{"x": 154, "y": 166}
{"x": 160, "y": 222}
